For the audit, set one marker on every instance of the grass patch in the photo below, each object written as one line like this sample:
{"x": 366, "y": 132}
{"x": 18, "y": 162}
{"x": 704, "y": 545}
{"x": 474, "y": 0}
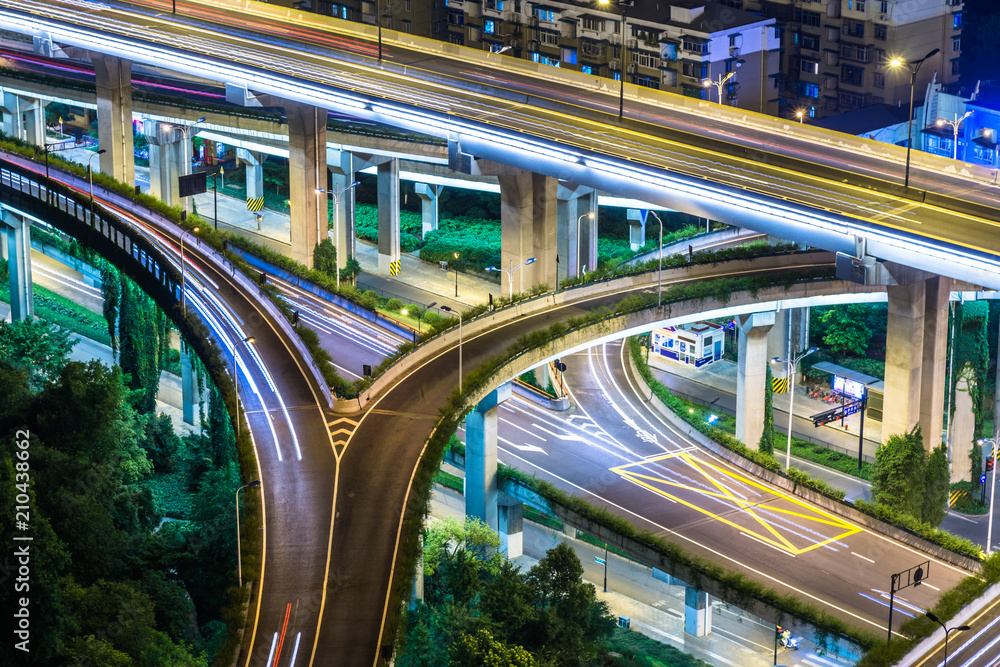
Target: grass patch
{"x": 641, "y": 651}
{"x": 453, "y": 482}
{"x": 541, "y": 518}
{"x": 64, "y": 313}
{"x": 590, "y": 539}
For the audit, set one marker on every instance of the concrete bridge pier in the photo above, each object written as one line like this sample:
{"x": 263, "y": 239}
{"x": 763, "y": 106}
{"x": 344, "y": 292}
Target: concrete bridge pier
{"x": 636, "y": 228}
{"x": 342, "y": 174}
{"x": 916, "y": 357}
{"x": 511, "y": 519}
{"x": 114, "y": 116}
{"x": 166, "y": 160}
{"x": 963, "y": 429}
{"x": 388, "y": 218}
{"x": 24, "y": 118}
{"x": 577, "y": 232}
{"x": 17, "y": 230}
{"x": 429, "y": 195}
{"x": 481, "y": 457}
{"x": 190, "y": 395}
{"x": 528, "y": 228}
{"x": 253, "y": 162}
{"x": 789, "y": 335}
{"x": 751, "y": 376}
{"x": 697, "y": 612}
{"x": 306, "y": 173}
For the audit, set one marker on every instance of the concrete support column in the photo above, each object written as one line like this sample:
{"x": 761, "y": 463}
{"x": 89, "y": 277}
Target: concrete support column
{"x": 481, "y": 457}
{"x": 114, "y": 116}
{"x": 697, "y": 612}
{"x": 916, "y": 358}
{"x": 18, "y": 233}
{"x": 963, "y": 429}
{"x": 511, "y": 521}
{"x": 190, "y": 395}
{"x": 388, "y": 216}
{"x": 342, "y": 174}
{"x": 428, "y": 206}
{"x": 751, "y": 376}
{"x": 253, "y": 163}
{"x": 166, "y": 160}
{"x": 577, "y": 239}
{"x": 33, "y": 120}
{"x": 528, "y": 228}
{"x": 306, "y": 174}
{"x": 636, "y": 228}
{"x": 934, "y": 365}
{"x": 418, "y": 580}
{"x": 11, "y": 118}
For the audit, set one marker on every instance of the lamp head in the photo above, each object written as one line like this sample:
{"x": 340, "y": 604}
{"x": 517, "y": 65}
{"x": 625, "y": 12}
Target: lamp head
{"x": 355, "y": 183}
{"x": 455, "y": 254}
{"x": 249, "y": 339}
{"x": 932, "y": 53}
{"x": 591, "y": 215}
{"x": 812, "y": 349}
{"x": 895, "y": 62}
{"x": 254, "y": 483}
{"x": 492, "y": 268}
{"x": 446, "y": 308}
{"x": 706, "y": 83}
{"x": 102, "y": 151}
{"x": 194, "y": 230}
{"x": 404, "y": 312}
{"x": 963, "y": 628}
{"x": 931, "y": 615}
{"x": 939, "y": 122}
{"x": 200, "y": 120}
{"x": 531, "y": 260}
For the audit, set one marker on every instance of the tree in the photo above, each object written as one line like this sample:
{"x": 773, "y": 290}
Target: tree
{"x": 351, "y": 269}
{"x": 846, "y": 329}
{"x": 325, "y": 257}
{"x": 160, "y": 442}
{"x": 41, "y": 348}
{"x": 898, "y": 473}
{"x": 449, "y": 536}
{"x": 111, "y": 294}
{"x": 766, "y": 443}
{"x": 570, "y": 618}
{"x": 936, "y": 487}
{"x": 482, "y": 650}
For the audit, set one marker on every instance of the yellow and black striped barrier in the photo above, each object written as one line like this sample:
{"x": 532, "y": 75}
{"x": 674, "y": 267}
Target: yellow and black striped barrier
{"x": 394, "y": 268}
{"x": 255, "y": 204}
{"x": 779, "y": 385}
{"x": 958, "y": 497}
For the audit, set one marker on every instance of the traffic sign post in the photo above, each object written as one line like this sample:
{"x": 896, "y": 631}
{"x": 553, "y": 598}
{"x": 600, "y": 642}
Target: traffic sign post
{"x": 912, "y": 577}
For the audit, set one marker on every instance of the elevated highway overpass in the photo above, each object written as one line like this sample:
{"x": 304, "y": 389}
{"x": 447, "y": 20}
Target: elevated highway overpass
{"x": 775, "y": 177}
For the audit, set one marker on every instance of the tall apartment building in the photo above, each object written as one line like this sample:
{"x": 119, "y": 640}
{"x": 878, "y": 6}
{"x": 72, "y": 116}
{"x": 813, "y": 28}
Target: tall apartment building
{"x": 669, "y": 45}
{"x": 835, "y": 53}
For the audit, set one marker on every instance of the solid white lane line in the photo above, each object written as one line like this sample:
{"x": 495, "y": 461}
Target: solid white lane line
{"x": 862, "y": 557}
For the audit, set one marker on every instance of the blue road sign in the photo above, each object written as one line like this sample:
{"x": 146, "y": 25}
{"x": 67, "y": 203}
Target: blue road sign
{"x": 600, "y": 561}
{"x": 982, "y": 480}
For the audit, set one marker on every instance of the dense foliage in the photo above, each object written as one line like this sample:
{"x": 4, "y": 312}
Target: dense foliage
{"x": 109, "y": 584}
{"x": 907, "y": 480}
{"x": 480, "y": 609}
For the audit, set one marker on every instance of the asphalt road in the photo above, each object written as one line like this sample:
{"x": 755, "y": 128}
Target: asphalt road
{"x": 977, "y": 647}
{"x": 302, "y": 54}
{"x": 613, "y": 451}
{"x": 297, "y": 463}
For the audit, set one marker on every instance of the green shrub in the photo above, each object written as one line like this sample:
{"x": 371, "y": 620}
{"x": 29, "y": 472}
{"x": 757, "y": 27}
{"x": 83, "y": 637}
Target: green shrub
{"x": 395, "y": 305}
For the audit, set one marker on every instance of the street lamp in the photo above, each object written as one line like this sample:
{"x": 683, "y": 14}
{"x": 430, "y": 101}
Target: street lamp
{"x": 947, "y": 631}
{"x": 511, "y": 271}
{"x": 623, "y": 5}
{"x": 90, "y": 174}
{"x": 336, "y": 221}
{"x": 420, "y": 314}
{"x": 955, "y": 124}
{"x": 659, "y": 255}
{"x": 456, "y": 274}
{"x": 719, "y": 84}
{"x": 914, "y": 67}
{"x": 451, "y": 310}
{"x": 992, "y": 442}
{"x": 236, "y": 377}
{"x": 183, "y": 296}
{"x": 793, "y": 364}
{"x": 590, "y": 215}
{"x": 239, "y": 554}
{"x": 800, "y": 114}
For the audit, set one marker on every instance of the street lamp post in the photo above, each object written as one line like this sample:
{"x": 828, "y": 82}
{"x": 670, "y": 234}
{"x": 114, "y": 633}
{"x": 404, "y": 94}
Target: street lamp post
{"x": 183, "y": 294}
{"x": 792, "y": 365}
{"x": 236, "y": 357}
{"x": 239, "y": 554}
{"x": 719, "y": 84}
{"x": 90, "y": 175}
{"x": 511, "y": 271}
{"x": 623, "y": 5}
{"x": 456, "y": 275}
{"x": 336, "y": 221}
{"x": 800, "y": 114}
{"x": 955, "y": 124}
{"x": 457, "y": 312}
{"x": 992, "y": 442}
{"x": 947, "y": 631}
{"x": 590, "y": 215}
{"x": 914, "y": 67}
{"x": 659, "y": 268}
